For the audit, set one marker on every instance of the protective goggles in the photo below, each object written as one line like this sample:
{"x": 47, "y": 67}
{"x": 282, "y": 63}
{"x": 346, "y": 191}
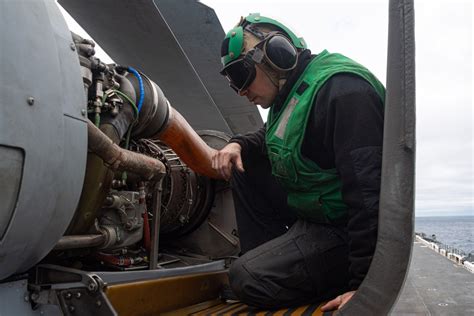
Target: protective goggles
{"x": 240, "y": 73}
{"x": 275, "y": 49}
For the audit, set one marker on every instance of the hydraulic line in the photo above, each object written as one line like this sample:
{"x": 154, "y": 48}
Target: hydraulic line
{"x": 140, "y": 84}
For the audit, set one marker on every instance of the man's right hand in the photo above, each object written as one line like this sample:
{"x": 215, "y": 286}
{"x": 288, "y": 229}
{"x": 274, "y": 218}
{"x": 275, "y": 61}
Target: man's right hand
{"x": 224, "y": 159}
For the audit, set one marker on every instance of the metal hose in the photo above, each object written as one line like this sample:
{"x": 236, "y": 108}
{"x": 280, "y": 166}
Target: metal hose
{"x": 121, "y": 159}
{"x": 79, "y": 241}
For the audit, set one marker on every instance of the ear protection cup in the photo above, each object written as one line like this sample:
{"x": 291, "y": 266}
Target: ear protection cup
{"x": 280, "y": 52}
{"x": 277, "y": 51}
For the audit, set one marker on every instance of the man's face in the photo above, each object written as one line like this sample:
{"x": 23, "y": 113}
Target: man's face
{"x": 261, "y": 91}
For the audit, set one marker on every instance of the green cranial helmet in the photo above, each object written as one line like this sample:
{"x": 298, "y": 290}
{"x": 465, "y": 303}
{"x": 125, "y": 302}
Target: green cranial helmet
{"x": 232, "y": 46}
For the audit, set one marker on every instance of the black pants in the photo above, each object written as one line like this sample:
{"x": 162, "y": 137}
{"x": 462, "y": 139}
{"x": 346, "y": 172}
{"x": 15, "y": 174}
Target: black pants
{"x": 286, "y": 261}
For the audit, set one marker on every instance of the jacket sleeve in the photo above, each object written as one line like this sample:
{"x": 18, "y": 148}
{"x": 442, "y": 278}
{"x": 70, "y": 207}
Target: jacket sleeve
{"x": 348, "y": 114}
{"x": 252, "y": 142}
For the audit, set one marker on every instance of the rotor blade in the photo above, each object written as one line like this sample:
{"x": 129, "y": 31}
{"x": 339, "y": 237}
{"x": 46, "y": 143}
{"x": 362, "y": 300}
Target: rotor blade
{"x": 199, "y": 32}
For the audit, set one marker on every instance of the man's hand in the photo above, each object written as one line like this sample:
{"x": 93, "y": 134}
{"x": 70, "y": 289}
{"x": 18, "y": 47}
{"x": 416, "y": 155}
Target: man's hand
{"x": 224, "y": 159}
{"x": 338, "y": 302}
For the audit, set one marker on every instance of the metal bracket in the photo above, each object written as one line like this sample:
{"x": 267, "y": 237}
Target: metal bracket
{"x": 76, "y": 292}
{"x": 80, "y": 301}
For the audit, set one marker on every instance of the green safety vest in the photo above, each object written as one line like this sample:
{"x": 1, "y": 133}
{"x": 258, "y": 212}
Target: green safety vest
{"x": 314, "y": 193}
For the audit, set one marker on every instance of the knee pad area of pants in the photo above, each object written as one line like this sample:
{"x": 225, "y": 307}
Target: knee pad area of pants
{"x": 249, "y": 290}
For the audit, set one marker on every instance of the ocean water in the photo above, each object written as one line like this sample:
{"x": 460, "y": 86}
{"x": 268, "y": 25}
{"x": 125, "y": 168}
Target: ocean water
{"x": 454, "y": 231}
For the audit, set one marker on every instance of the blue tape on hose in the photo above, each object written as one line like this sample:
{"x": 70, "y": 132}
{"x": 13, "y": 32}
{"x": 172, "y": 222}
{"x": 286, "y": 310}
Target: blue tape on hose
{"x": 140, "y": 83}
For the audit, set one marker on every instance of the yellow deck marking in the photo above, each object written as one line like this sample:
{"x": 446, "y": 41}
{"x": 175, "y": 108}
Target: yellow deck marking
{"x": 235, "y": 311}
{"x": 281, "y": 312}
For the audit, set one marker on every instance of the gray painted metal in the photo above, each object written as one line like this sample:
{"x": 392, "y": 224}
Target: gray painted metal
{"x": 143, "y": 275}
{"x": 14, "y": 300}
{"x": 216, "y": 236}
{"x": 386, "y": 275}
{"x": 435, "y": 286}
{"x": 41, "y": 98}
{"x": 200, "y": 34}
{"x": 11, "y": 172}
{"x": 135, "y": 33}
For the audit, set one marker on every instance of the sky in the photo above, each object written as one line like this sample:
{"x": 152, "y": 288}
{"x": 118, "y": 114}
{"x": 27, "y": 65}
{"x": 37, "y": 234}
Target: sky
{"x": 443, "y": 34}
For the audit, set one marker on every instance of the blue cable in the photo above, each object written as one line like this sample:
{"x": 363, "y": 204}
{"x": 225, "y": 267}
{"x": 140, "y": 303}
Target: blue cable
{"x": 140, "y": 83}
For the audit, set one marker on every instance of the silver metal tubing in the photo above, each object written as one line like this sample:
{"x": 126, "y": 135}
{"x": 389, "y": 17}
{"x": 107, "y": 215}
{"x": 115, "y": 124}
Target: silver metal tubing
{"x": 79, "y": 241}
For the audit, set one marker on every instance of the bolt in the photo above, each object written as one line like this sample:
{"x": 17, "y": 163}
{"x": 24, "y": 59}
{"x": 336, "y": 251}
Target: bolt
{"x": 78, "y": 295}
{"x": 72, "y": 46}
{"x": 71, "y": 308}
{"x": 68, "y": 295}
{"x": 98, "y": 303}
{"x": 109, "y": 200}
{"x": 26, "y": 297}
{"x": 30, "y": 101}
{"x": 83, "y": 112}
{"x": 34, "y": 297}
{"x": 92, "y": 286}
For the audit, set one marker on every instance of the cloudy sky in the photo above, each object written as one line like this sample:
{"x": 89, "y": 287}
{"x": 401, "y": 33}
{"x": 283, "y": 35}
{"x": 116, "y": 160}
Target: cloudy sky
{"x": 444, "y": 180}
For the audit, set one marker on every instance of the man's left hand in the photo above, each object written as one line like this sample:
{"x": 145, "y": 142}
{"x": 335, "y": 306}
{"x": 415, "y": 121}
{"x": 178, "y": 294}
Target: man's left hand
{"x": 338, "y": 302}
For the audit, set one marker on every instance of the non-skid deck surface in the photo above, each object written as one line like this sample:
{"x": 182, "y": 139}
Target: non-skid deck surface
{"x": 217, "y": 307}
{"x": 435, "y": 286}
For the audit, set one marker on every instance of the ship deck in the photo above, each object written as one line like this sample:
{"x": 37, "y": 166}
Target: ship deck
{"x": 435, "y": 286}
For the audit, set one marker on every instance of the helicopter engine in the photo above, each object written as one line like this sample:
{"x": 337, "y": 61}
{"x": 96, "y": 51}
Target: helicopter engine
{"x": 124, "y": 207}
{"x": 130, "y": 179}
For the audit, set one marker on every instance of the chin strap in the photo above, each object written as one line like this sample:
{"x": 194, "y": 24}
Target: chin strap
{"x": 277, "y": 78}
{"x": 281, "y": 83}
{"x": 271, "y": 74}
